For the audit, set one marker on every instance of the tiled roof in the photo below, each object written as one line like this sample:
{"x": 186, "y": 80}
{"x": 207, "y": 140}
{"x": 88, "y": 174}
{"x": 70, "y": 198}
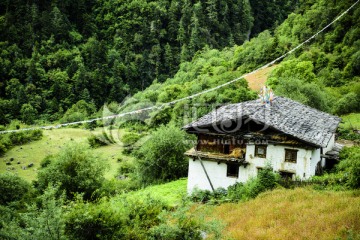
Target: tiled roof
{"x": 285, "y": 115}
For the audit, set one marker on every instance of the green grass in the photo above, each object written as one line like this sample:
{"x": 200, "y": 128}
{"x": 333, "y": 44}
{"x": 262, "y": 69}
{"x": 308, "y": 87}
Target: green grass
{"x": 51, "y": 143}
{"x": 170, "y": 193}
{"x": 351, "y": 121}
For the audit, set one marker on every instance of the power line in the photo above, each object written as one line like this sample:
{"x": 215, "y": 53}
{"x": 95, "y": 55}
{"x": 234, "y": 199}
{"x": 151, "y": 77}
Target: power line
{"x": 191, "y": 96}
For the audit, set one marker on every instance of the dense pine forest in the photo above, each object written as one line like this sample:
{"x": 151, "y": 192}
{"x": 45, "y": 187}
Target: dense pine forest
{"x": 54, "y": 54}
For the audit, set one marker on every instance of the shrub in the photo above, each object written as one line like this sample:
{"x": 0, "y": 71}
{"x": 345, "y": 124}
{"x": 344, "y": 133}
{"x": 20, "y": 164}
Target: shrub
{"x": 348, "y": 134}
{"x": 76, "y": 170}
{"x": 28, "y": 113}
{"x": 79, "y": 111}
{"x": 90, "y": 125}
{"x": 162, "y": 158}
{"x": 3, "y": 149}
{"x": 265, "y": 180}
{"x": 9, "y": 140}
{"x": 96, "y": 141}
{"x": 126, "y": 167}
{"x": 44, "y": 220}
{"x": 12, "y": 188}
{"x": 125, "y": 218}
{"x": 347, "y": 104}
{"x": 46, "y": 161}
{"x": 129, "y": 139}
{"x": 93, "y": 221}
{"x": 202, "y": 196}
{"x": 350, "y": 165}
{"x": 184, "y": 224}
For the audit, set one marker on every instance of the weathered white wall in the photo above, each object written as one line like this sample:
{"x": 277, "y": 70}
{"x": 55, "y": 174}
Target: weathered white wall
{"x": 315, "y": 158}
{"x": 216, "y": 172}
{"x": 330, "y": 145}
{"x": 275, "y": 155}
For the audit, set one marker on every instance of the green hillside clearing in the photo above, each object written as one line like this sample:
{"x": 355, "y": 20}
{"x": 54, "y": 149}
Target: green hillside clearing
{"x": 51, "y": 143}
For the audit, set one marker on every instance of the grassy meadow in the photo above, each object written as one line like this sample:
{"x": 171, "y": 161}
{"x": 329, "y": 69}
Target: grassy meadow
{"x": 51, "y": 143}
{"x": 302, "y": 213}
{"x": 171, "y": 193}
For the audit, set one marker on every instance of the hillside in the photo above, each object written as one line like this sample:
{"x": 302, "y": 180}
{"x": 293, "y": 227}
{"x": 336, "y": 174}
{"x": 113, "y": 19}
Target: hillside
{"x": 50, "y": 144}
{"x": 57, "y": 53}
{"x": 323, "y": 74}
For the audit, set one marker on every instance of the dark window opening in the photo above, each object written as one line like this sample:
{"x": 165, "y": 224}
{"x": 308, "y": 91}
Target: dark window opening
{"x": 226, "y": 149}
{"x": 290, "y": 155}
{"x": 260, "y": 151}
{"x": 232, "y": 170}
{"x": 286, "y": 175}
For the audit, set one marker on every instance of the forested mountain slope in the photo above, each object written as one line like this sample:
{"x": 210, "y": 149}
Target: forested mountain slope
{"x": 323, "y": 74}
{"x": 55, "y": 53}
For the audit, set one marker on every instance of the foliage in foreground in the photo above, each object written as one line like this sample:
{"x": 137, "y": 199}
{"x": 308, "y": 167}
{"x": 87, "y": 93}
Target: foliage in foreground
{"x": 41, "y": 220}
{"x": 162, "y": 158}
{"x": 75, "y": 169}
{"x": 12, "y": 188}
{"x": 122, "y": 217}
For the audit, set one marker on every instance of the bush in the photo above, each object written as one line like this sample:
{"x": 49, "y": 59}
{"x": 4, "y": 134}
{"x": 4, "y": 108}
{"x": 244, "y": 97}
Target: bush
{"x": 28, "y": 113}
{"x": 96, "y": 141}
{"x": 126, "y": 168}
{"x": 76, "y": 170}
{"x": 12, "y": 188}
{"x": 43, "y": 220}
{"x": 202, "y": 196}
{"x": 184, "y": 224}
{"x": 129, "y": 139}
{"x": 162, "y": 158}
{"x": 347, "y": 104}
{"x": 348, "y": 134}
{"x": 93, "y": 221}
{"x": 126, "y": 218}
{"x": 46, "y": 161}
{"x": 265, "y": 180}
{"x": 79, "y": 111}
{"x": 350, "y": 165}
{"x": 205, "y": 196}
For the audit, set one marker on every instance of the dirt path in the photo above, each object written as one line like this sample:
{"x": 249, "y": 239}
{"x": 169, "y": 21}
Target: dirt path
{"x": 257, "y": 80}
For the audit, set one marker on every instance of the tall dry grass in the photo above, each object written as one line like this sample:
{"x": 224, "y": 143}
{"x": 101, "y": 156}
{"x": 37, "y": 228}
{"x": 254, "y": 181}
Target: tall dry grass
{"x": 301, "y": 213}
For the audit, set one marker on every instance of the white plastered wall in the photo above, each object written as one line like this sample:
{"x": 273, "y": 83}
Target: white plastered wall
{"x": 304, "y": 168}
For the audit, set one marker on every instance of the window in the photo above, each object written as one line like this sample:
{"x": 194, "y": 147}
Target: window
{"x": 226, "y": 149}
{"x": 290, "y": 155}
{"x": 260, "y": 151}
{"x": 232, "y": 170}
{"x": 286, "y": 175}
